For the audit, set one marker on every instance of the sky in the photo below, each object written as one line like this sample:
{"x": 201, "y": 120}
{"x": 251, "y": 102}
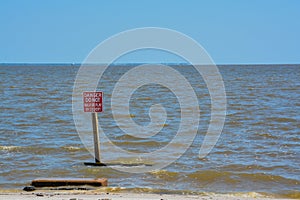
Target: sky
{"x": 231, "y": 31}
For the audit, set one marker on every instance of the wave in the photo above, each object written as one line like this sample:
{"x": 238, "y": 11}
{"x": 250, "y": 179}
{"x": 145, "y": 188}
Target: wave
{"x": 9, "y": 148}
{"x": 281, "y": 119}
{"x": 211, "y": 174}
{"x": 39, "y": 150}
{"x": 252, "y": 194}
{"x": 236, "y": 180}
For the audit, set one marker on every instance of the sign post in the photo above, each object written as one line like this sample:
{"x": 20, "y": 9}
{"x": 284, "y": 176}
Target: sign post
{"x": 96, "y": 137}
{"x": 92, "y": 102}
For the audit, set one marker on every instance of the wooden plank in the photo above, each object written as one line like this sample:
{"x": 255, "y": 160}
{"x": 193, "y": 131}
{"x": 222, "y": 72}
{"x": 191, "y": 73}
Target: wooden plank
{"x": 67, "y": 182}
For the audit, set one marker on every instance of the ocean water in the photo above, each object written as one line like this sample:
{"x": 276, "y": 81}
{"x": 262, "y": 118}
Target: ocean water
{"x": 258, "y": 150}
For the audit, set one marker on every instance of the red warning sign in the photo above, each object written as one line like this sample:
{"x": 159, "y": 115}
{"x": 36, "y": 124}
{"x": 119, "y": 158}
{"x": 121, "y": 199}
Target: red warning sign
{"x": 92, "y": 101}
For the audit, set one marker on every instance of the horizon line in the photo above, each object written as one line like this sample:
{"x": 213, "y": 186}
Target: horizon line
{"x": 133, "y": 63}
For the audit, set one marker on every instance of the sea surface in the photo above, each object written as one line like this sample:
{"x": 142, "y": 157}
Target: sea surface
{"x": 257, "y": 152}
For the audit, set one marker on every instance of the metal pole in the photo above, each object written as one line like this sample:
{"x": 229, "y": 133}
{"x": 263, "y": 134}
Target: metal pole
{"x": 96, "y": 137}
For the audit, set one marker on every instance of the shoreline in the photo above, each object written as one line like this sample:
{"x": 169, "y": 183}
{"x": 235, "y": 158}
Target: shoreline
{"x": 89, "y": 195}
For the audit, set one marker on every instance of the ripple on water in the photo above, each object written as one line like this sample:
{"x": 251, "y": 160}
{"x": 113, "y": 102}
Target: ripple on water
{"x": 257, "y": 151}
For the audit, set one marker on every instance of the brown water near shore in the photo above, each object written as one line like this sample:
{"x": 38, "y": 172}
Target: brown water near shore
{"x": 258, "y": 150}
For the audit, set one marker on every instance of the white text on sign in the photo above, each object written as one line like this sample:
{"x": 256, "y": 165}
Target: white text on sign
{"x": 92, "y": 101}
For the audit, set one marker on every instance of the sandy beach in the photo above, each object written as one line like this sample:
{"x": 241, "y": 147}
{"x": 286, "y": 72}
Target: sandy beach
{"x": 127, "y": 196}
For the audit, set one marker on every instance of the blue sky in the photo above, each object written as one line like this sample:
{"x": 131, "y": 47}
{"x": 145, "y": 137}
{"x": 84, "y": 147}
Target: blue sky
{"x": 232, "y": 31}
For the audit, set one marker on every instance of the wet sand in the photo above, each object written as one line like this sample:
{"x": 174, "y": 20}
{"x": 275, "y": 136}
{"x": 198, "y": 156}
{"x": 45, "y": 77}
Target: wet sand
{"x": 125, "y": 196}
